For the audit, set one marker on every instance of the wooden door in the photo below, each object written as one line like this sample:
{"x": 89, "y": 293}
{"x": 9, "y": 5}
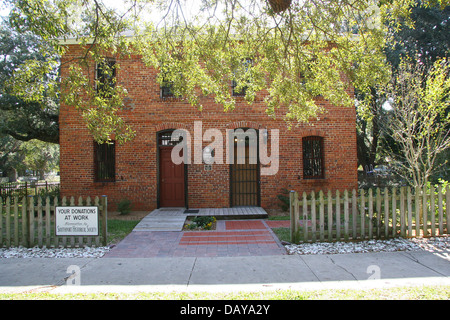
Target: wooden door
{"x": 171, "y": 180}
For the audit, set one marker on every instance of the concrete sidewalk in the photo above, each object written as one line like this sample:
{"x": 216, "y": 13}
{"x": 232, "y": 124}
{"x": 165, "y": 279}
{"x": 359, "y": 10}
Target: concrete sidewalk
{"x": 360, "y": 270}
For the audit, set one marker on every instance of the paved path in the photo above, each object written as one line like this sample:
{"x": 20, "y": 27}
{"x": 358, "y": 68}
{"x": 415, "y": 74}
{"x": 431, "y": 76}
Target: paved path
{"x": 172, "y": 219}
{"x": 162, "y": 220}
{"x": 231, "y": 238}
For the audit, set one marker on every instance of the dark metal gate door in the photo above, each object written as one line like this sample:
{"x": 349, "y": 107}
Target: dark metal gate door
{"x": 244, "y": 180}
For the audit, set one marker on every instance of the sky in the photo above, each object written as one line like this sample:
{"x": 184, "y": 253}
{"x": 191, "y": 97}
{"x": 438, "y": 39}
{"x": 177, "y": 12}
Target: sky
{"x": 4, "y": 10}
{"x": 121, "y": 5}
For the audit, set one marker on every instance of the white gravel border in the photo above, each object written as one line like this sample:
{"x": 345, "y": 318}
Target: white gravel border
{"x": 437, "y": 244}
{"x": 36, "y": 252}
{"x": 434, "y": 244}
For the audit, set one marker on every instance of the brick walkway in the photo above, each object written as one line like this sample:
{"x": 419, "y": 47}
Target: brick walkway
{"x": 231, "y": 238}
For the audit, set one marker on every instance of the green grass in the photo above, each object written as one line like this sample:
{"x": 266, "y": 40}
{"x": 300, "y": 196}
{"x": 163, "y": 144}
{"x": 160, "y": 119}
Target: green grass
{"x": 119, "y": 229}
{"x": 397, "y": 293}
{"x": 278, "y": 218}
{"x": 283, "y": 234}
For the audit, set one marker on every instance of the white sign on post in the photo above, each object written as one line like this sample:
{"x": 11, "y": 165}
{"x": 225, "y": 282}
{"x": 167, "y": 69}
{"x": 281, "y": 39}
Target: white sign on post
{"x": 76, "y": 221}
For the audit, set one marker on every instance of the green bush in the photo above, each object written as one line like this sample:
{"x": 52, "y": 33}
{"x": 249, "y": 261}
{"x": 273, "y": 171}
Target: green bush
{"x": 51, "y": 192}
{"x": 204, "y": 222}
{"x": 124, "y": 206}
{"x": 284, "y": 198}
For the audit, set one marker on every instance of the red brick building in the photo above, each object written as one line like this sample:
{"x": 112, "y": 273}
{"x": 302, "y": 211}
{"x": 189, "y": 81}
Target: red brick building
{"x": 316, "y": 156}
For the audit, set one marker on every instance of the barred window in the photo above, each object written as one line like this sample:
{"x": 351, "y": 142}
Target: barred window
{"x": 168, "y": 138}
{"x": 167, "y": 90}
{"x": 166, "y": 87}
{"x": 236, "y": 92}
{"x": 105, "y": 162}
{"x": 106, "y": 77}
{"x": 313, "y": 163}
{"x": 246, "y": 64}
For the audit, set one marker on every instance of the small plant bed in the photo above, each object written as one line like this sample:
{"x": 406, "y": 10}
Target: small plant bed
{"x": 200, "y": 223}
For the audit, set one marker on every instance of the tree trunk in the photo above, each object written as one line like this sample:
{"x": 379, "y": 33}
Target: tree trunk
{"x": 12, "y": 174}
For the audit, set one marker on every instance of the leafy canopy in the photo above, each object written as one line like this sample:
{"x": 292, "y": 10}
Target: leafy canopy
{"x": 20, "y": 60}
{"x": 313, "y": 48}
{"x": 420, "y": 117}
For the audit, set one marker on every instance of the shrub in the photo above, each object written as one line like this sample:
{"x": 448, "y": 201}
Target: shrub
{"x": 284, "y": 199}
{"x": 204, "y": 222}
{"x": 191, "y": 226}
{"x": 51, "y": 192}
{"x": 124, "y": 206}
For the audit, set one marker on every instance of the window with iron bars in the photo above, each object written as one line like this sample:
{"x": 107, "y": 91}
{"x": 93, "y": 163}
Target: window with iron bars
{"x": 105, "y": 162}
{"x": 105, "y": 76}
{"x": 167, "y": 90}
{"x": 313, "y": 160}
{"x": 167, "y": 138}
{"x": 246, "y": 64}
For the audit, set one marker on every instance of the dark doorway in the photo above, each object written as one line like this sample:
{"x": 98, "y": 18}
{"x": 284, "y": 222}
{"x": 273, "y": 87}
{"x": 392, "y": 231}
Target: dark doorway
{"x": 244, "y": 170}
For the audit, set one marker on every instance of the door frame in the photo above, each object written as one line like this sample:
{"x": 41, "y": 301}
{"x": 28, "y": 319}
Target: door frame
{"x": 258, "y": 170}
{"x": 158, "y": 166}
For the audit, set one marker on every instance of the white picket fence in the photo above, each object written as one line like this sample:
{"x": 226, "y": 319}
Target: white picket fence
{"x": 371, "y": 214}
{"x": 22, "y": 223}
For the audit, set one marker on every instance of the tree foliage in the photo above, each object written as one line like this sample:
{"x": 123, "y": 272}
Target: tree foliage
{"x": 40, "y": 156}
{"x": 423, "y": 36}
{"x": 10, "y": 155}
{"x": 309, "y": 49}
{"x": 420, "y": 121}
{"x": 427, "y": 38}
{"x": 33, "y": 112}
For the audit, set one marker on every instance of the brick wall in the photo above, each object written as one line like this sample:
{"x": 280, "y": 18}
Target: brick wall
{"x": 136, "y": 161}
